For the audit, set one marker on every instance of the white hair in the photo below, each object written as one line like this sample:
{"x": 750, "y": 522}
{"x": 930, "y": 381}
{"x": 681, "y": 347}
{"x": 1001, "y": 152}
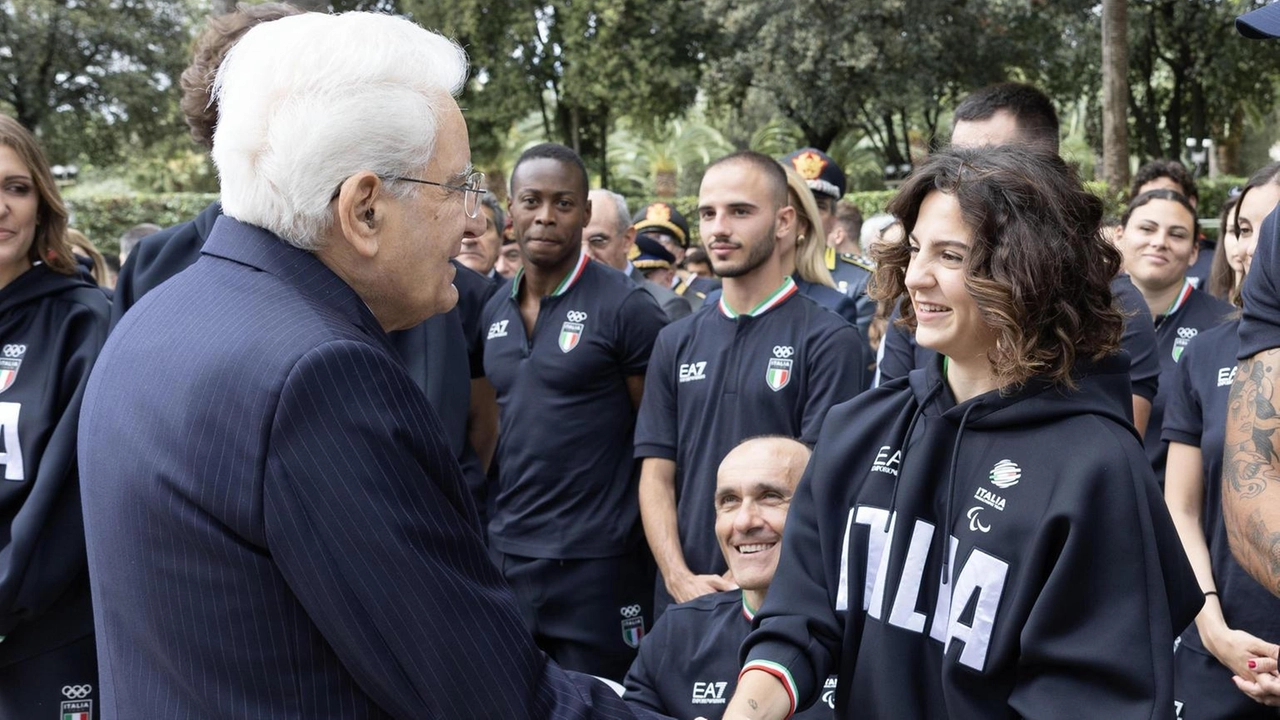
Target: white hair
{"x": 623, "y": 221}
{"x": 304, "y": 102}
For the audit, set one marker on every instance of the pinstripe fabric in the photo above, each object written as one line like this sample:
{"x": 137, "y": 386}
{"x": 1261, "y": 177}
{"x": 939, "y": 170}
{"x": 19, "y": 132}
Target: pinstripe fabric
{"x": 276, "y": 525}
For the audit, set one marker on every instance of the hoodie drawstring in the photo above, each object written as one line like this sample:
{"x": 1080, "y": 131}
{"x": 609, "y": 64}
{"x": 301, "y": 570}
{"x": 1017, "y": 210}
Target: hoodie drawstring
{"x": 951, "y": 493}
{"x": 911, "y": 427}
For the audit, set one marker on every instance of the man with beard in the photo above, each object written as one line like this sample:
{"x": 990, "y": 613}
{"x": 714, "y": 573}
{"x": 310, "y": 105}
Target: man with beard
{"x": 765, "y": 361}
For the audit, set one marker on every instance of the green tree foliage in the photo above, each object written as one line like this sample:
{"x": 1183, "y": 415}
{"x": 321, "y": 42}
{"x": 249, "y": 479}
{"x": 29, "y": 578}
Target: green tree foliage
{"x": 891, "y": 69}
{"x": 93, "y": 77}
{"x": 1192, "y": 76}
{"x": 580, "y": 64}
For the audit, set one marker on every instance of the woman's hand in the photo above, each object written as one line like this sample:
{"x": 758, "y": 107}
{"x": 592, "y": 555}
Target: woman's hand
{"x": 1266, "y": 688}
{"x": 1237, "y": 648}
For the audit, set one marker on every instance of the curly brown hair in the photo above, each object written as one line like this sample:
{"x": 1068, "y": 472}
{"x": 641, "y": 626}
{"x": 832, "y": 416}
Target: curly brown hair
{"x": 210, "y": 47}
{"x": 50, "y": 243}
{"x": 1039, "y": 270}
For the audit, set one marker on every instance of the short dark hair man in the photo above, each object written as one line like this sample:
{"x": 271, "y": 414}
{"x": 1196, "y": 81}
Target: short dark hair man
{"x": 567, "y": 346}
{"x": 688, "y": 666}
{"x": 1005, "y": 113}
{"x": 480, "y": 253}
{"x": 845, "y": 235}
{"x": 609, "y": 238}
{"x": 765, "y": 361}
{"x": 851, "y": 271}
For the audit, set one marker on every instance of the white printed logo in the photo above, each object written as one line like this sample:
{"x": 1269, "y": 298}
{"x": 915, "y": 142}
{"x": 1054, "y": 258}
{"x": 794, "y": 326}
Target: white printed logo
{"x": 498, "y": 329}
{"x": 975, "y": 523}
{"x": 829, "y": 692}
{"x": 1226, "y": 376}
{"x": 693, "y": 371}
{"x": 77, "y": 692}
{"x": 571, "y": 331}
{"x": 1180, "y": 343}
{"x": 887, "y": 461}
{"x": 709, "y": 693}
{"x": 10, "y": 364}
{"x": 783, "y": 351}
{"x": 1005, "y": 474}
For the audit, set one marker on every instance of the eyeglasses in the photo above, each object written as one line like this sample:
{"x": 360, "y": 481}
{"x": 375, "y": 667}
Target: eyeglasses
{"x": 472, "y": 190}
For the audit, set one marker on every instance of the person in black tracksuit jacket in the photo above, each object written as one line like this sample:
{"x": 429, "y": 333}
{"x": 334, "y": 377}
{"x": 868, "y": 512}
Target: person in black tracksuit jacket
{"x": 53, "y": 322}
{"x": 984, "y": 538}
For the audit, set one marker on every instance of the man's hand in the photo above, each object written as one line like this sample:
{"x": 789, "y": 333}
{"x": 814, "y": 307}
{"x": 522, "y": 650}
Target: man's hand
{"x": 688, "y": 586}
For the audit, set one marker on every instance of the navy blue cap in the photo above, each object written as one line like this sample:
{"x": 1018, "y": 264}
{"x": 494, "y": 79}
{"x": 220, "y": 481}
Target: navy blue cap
{"x": 819, "y": 171}
{"x": 1260, "y": 24}
{"x": 663, "y": 217}
{"x": 652, "y": 255}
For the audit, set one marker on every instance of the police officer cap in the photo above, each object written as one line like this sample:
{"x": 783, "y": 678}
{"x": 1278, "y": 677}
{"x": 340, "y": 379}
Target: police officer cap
{"x": 664, "y": 218}
{"x": 652, "y": 255}
{"x": 821, "y": 173}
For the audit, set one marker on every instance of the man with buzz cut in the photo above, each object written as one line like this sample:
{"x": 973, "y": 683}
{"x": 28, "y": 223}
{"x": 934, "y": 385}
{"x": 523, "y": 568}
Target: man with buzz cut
{"x": 688, "y": 666}
{"x": 610, "y": 238}
{"x": 567, "y": 346}
{"x": 764, "y": 361}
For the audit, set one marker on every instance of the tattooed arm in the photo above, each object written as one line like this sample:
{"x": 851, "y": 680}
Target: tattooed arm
{"x": 1251, "y": 468}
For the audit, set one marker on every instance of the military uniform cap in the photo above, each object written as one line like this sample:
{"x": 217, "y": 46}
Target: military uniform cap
{"x": 652, "y": 255}
{"x": 663, "y": 217}
{"x": 819, "y": 171}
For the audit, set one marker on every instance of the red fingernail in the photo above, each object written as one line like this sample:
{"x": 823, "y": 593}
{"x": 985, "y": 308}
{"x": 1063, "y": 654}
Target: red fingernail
{"x": 1252, "y": 664}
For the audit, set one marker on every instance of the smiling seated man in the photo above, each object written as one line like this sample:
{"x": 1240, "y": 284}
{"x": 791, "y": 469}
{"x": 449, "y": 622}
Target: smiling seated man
{"x": 688, "y": 665}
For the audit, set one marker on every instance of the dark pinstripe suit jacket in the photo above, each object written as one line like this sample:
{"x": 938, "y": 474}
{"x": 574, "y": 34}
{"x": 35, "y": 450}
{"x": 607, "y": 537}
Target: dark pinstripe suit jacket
{"x": 276, "y": 526}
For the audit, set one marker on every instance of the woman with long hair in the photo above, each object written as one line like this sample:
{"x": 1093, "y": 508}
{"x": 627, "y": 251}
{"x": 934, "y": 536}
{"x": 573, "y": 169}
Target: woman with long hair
{"x": 1240, "y": 620}
{"x": 53, "y": 321}
{"x": 982, "y": 538}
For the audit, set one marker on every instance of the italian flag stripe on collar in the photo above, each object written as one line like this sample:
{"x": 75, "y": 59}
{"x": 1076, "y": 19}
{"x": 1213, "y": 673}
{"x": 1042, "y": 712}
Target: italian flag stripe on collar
{"x": 787, "y": 289}
{"x": 569, "y": 280}
{"x": 778, "y": 671}
{"x": 1178, "y": 302}
{"x": 748, "y": 612}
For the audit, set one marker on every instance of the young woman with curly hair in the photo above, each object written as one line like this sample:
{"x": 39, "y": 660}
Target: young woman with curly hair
{"x": 982, "y": 538}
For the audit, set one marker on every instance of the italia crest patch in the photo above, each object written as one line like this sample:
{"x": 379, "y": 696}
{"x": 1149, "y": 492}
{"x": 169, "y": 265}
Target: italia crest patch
{"x": 778, "y": 373}
{"x": 78, "y": 706}
{"x": 571, "y": 331}
{"x": 10, "y": 361}
{"x": 1180, "y": 343}
{"x": 632, "y": 625}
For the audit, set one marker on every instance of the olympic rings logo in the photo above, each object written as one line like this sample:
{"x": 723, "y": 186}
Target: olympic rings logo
{"x": 13, "y": 351}
{"x": 1187, "y": 333}
{"x": 631, "y": 611}
{"x": 783, "y": 351}
{"x": 576, "y": 316}
{"x": 76, "y": 692}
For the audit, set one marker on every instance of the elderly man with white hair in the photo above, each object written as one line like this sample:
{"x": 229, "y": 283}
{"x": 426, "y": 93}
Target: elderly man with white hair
{"x": 276, "y": 525}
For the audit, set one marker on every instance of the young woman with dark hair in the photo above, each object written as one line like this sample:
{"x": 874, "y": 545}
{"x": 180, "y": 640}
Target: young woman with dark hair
{"x": 1158, "y": 241}
{"x": 982, "y": 538}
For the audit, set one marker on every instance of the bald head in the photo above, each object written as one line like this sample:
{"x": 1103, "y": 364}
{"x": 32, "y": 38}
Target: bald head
{"x": 753, "y": 494}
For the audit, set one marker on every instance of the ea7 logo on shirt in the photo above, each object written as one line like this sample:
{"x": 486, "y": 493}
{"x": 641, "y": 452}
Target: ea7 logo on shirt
{"x": 709, "y": 693}
{"x": 498, "y": 329}
{"x": 1226, "y": 376}
{"x": 571, "y": 331}
{"x": 632, "y": 625}
{"x": 779, "y": 372}
{"x": 887, "y": 461}
{"x": 1180, "y": 343}
{"x": 10, "y": 360}
{"x": 693, "y": 371}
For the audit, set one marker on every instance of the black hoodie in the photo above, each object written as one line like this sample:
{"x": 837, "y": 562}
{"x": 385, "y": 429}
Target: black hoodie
{"x": 51, "y": 329}
{"x": 1067, "y": 581}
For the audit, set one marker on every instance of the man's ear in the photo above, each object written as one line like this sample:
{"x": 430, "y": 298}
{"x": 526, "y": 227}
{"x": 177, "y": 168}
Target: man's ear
{"x": 361, "y": 208}
{"x": 786, "y": 218}
{"x": 629, "y": 237}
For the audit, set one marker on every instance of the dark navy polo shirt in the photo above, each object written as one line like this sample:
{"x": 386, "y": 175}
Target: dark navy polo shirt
{"x": 1196, "y": 415}
{"x": 899, "y": 353}
{"x": 1193, "y": 312}
{"x": 688, "y": 664}
{"x": 566, "y": 473}
{"x": 718, "y": 378}
{"x": 1260, "y": 326}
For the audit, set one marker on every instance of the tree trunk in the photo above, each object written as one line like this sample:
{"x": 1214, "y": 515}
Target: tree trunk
{"x": 1115, "y": 94}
